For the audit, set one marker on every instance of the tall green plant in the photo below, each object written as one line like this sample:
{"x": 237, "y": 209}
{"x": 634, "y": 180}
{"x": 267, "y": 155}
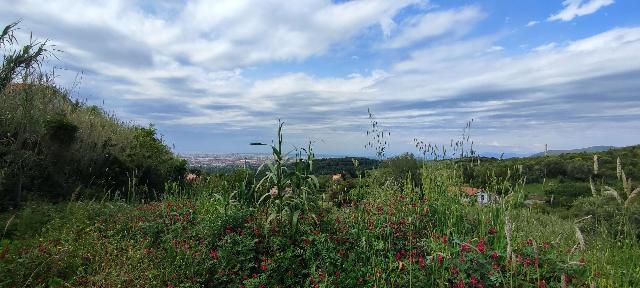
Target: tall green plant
{"x": 290, "y": 192}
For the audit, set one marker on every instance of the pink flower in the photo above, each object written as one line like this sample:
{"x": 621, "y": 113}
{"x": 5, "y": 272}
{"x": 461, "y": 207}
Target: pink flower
{"x": 494, "y": 255}
{"x": 440, "y": 258}
{"x": 542, "y": 284}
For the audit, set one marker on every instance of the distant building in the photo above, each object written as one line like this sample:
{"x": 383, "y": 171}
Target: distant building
{"x": 481, "y": 196}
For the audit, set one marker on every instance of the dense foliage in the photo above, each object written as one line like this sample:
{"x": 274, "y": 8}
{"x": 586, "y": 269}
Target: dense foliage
{"x": 570, "y": 167}
{"x": 54, "y": 148}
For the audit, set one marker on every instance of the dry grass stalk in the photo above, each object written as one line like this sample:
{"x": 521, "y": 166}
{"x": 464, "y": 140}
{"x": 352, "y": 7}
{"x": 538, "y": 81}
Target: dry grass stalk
{"x": 6, "y": 226}
{"x": 508, "y": 229}
{"x": 612, "y": 192}
{"x": 633, "y": 196}
{"x": 618, "y": 168}
{"x": 580, "y": 237}
{"x": 593, "y": 187}
{"x": 595, "y": 164}
{"x": 625, "y": 183}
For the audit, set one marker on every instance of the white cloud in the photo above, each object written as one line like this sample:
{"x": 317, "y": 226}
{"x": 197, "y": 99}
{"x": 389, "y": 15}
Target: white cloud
{"x": 217, "y": 34}
{"x": 576, "y": 8}
{"x": 532, "y": 23}
{"x": 456, "y": 21}
{"x": 545, "y": 47}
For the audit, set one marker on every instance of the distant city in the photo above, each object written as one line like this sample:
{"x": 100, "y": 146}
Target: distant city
{"x": 226, "y": 160}
{"x": 223, "y": 160}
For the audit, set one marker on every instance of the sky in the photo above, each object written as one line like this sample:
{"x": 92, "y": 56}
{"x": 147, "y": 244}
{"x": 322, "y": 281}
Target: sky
{"x": 213, "y": 76}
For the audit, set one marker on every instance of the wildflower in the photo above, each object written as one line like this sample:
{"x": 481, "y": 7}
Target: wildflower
{"x": 494, "y": 255}
{"x": 480, "y": 246}
{"x": 493, "y": 231}
{"x": 421, "y": 261}
{"x": 460, "y": 284}
{"x": 214, "y": 254}
{"x": 398, "y": 256}
{"x": 263, "y": 267}
{"x": 254, "y": 275}
{"x": 465, "y": 248}
{"x": 440, "y": 258}
{"x": 473, "y": 281}
{"x": 495, "y": 266}
{"x": 542, "y": 284}
{"x": 445, "y": 239}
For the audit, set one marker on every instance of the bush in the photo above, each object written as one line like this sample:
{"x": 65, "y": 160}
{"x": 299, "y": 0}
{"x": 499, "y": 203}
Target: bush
{"x": 403, "y": 165}
{"x": 565, "y": 193}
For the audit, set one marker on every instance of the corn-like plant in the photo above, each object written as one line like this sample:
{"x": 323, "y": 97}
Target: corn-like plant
{"x": 290, "y": 192}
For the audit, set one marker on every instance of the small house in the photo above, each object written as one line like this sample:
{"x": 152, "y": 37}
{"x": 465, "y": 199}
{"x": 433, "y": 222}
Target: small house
{"x": 481, "y": 196}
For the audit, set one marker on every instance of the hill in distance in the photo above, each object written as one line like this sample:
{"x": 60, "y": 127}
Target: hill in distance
{"x": 588, "y": 149}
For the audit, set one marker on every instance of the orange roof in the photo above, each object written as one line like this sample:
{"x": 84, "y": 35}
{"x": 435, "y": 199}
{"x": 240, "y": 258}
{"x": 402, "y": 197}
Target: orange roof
{"x": 470, "y": 190}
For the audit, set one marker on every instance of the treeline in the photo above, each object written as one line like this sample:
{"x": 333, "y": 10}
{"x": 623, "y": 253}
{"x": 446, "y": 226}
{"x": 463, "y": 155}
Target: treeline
{"x": 54, "y": 148}
{"x": 571, "y": 167}
{"x": 345, "y": 165}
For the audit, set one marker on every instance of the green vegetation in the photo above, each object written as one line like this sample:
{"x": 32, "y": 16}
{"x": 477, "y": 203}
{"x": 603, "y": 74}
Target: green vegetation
{"x": 112, "y": 210}
{"x": 53, "y": 148}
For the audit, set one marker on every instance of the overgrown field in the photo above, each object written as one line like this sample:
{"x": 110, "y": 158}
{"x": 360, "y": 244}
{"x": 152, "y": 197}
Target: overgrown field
{"x": 383, "y": 233}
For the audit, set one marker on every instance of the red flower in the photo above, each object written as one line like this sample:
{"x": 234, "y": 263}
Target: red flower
{"x": 445, "y": 239}
{"x": 542, "y": 284}
{"x": 263, "y": 267}
{"x": 460, "y": 284}
{"x": 473, "y": 281}
{"x": 480, "y": 246}
{"x": 254, "y": 275}
{"x": 494, "y": 255}
{"x": 214, "y": 254}
{"x": 421, "y": 261}
{"x": 465, "y": 248}
{"x": 440, "y": 258}
{"x": 495, "y": 266}
{"x": 398, "y": 256}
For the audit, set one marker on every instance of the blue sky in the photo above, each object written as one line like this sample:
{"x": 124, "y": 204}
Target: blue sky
{"x": 215, "y": 75}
